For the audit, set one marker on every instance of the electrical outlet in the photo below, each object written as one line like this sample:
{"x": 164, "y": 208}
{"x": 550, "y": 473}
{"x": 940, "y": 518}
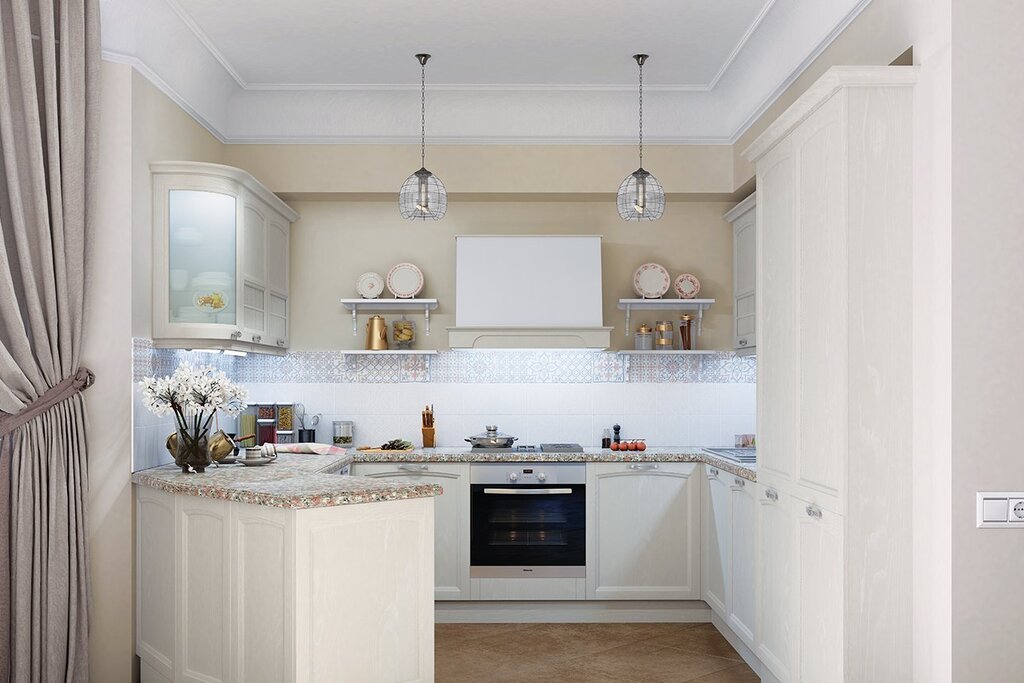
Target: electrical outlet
{"x": 1000, "y": 509}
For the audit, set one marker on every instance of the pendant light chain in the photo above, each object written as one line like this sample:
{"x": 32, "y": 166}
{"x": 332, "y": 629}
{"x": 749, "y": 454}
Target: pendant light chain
{"x": 641, "y": 113}
{"x": 423, "y": 114}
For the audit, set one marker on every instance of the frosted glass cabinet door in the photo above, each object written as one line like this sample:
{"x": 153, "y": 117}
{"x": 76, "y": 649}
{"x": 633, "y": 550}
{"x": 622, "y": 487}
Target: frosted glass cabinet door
{"x": 201, "y": 257}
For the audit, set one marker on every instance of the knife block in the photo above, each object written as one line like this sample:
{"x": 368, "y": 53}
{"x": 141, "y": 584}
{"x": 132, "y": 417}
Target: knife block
{"x": 428, "y": 437}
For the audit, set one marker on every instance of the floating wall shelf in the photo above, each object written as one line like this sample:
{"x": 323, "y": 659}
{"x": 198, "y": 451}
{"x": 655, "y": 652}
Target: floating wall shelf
{"x": 390, "y": 306}
{"x": 699, "y": 305}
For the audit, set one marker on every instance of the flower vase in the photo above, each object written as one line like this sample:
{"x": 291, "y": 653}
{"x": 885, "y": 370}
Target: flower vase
{"x": 192, "y": 452}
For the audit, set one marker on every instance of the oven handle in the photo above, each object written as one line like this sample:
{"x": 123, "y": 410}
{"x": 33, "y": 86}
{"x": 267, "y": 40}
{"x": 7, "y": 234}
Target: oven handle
{"x": 528, "y": 492}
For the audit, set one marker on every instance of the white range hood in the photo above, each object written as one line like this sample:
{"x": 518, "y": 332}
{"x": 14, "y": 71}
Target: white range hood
{"x": 528, "y": 292}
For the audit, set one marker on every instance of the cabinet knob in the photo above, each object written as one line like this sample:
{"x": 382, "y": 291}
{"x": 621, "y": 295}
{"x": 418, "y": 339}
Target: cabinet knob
{"x": 739, "y": 482}
{"x": 771, "y": 495}
{"x": 237, "y": 334}
{"x": 257, "y": 338}
{"x": 814, "y": 511}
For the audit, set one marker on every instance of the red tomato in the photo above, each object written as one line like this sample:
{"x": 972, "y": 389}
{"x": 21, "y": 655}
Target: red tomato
{"x": 615, "y": 446}
{"x": 641, "y": 446}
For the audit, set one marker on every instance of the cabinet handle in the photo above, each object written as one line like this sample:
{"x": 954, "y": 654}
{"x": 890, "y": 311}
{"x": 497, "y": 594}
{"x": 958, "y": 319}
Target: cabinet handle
{"x": 280, "y": 342}
{"x": 743, "y": 342}
{"x": 814, "y": 511}
{"x": 643, "y": 466}
{"x": 413, "y": 468}
{"x": 237, "y": 334}
{"x": 739, "y": 482}
{"x": 713, "y": 471}
{"x": 771, "y": 495}
{"x": 257, "y": 338}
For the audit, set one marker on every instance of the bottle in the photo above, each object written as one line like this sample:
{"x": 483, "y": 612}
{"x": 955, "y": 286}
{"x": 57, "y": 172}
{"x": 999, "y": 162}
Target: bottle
{"x": 617, "y": 429}
{"x": 606, "y": 440}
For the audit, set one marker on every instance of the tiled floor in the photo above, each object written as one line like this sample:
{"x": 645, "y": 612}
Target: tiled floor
{"x": 503, "y": 653}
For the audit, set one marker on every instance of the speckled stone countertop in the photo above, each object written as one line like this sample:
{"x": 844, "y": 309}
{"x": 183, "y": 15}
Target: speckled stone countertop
{"x": 588, "y": 455}
{"x": 293, "y": 481}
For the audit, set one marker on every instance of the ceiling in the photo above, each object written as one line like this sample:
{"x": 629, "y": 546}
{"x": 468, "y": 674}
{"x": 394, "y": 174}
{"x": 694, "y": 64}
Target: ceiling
{"x": 511, "y": 72}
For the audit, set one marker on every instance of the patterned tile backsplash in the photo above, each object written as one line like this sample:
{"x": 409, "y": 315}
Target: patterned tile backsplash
{"x": 672, "y": 401}
{"x": 451, "y": 367}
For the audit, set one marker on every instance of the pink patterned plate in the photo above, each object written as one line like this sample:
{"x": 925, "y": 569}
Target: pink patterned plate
{"x": 651, "y": 281}
{"x": 687, "y": 286}
{"x": 405, "y": 281}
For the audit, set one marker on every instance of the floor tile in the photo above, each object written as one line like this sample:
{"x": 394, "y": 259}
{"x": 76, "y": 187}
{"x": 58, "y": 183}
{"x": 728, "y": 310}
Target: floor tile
{"x": 695, "y": 638}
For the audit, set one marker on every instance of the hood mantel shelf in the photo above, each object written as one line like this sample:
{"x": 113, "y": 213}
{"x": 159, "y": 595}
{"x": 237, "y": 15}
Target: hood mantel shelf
{"x": 498, "y": 338}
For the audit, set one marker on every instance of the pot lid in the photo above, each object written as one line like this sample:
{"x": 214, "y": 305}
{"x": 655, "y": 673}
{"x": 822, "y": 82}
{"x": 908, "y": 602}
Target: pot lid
{"x": 491, "y": 433}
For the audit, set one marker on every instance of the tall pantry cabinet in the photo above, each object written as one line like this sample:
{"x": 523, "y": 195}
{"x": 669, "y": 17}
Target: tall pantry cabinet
{"x": 834, "y": 380}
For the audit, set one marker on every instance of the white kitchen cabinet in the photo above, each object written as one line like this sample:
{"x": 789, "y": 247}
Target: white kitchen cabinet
{"x": 742, "y": 603}
{"x": 776, "y": 632}
{"x": 451, "y": 518}
{"x": 643, "y": 531}
{"x": 834, "y": 288}
{"x": 743, "y": 218}
{"x": 716, "y": 547}
{"x": 220, "y": 259}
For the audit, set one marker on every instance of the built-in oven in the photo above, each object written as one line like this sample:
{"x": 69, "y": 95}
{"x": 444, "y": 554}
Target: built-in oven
{"x": 528, "y": 520}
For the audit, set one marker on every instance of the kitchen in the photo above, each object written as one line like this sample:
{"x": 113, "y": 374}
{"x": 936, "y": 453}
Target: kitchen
{"x": 649, "y": 376}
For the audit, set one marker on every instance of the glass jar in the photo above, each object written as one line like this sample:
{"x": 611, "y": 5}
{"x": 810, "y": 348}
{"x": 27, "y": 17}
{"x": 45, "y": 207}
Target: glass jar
{"x": 403, "y": 333}
{"x": 686, "y": 326}
{"x": 644, "y": 339}
{"x": 344, "y": 432}
{"x": 606, "y": 439}
{"x": 663, "y": 335}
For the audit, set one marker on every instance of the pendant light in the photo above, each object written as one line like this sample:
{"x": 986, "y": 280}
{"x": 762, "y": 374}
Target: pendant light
{"x": 423, "y": 196}
{"x": 641, "y": 196}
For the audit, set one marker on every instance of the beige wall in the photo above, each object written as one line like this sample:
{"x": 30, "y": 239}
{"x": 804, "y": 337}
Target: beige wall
{"x": 988, "y": 245}
{"x": 107, "y": 350}
{"x": 575, "y": 169}
{"x": 160, "y": 130}
{"x": 334, "y": 241}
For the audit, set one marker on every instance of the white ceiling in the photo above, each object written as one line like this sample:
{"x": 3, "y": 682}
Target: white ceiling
{"x": 475, "y": 42}
{"x": 519, "y": 71}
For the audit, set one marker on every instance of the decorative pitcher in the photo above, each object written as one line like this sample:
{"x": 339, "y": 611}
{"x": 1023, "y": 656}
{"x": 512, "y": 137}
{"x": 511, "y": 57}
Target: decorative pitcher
{"x": 377, "y": 334}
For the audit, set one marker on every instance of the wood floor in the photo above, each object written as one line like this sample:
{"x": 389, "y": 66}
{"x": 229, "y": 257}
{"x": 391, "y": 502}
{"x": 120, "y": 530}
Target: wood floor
{"x": 483, "y": 653}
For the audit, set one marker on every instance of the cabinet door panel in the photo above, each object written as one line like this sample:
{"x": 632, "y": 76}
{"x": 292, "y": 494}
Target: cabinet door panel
{"x": 777, "y": 563}
{"x": 643, "y": 531}
{"x": 451, "y": 519}
{"x": 717, "y": 541}
{"x": 820, "y": 543}
{"x": 778, "y": 343}
{"x": 823, "y": 301}
{"x": 743, "y": 602}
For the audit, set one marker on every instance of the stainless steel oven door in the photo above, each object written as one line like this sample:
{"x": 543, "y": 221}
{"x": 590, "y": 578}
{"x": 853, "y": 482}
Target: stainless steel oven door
{"x": 528, "y": 531}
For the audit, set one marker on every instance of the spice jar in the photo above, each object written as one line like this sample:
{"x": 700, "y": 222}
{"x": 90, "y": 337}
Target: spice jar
{"x": 606, "y": 439}
{"x": 644, "y": 339}
{"x": 686, "y": 332}
{"x": 344, "y": 432}
{"x": 663, "y": 335}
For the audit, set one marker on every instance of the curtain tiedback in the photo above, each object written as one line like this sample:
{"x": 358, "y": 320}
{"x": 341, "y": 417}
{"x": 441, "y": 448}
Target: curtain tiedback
{"x": 49, "y": 61}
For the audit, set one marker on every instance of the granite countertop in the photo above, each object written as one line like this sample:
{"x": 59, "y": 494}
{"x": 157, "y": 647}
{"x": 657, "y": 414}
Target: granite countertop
{"x": 293, "y": 481}
{"x": 588, "y": 455}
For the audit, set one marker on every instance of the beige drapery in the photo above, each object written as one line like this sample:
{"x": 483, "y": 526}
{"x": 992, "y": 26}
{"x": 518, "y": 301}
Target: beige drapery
{"x": 49, "y": 61}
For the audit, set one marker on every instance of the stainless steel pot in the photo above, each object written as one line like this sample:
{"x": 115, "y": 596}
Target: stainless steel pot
{"x": 492, "y": 438}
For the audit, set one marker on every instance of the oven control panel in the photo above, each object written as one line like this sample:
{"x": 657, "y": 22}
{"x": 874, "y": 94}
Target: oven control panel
{"x": 525, "y": 474}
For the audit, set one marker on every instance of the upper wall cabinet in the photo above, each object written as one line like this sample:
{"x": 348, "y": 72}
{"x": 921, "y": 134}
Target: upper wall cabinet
{"x": 220, "y": 259}
{"x": 743, "y": 217}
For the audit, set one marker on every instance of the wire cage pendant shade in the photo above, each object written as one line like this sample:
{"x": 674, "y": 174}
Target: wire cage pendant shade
{"x": 423, "y": 195}
{"x": 640, "y": 197}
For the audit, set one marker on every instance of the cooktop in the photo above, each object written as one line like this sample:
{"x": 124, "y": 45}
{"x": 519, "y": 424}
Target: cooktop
{"x": 542, "y": 448}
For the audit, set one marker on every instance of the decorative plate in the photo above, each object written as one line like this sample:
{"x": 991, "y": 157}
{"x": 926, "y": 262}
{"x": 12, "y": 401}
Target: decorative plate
{"x": 687, "y": 286}
{"x": 405, "y": 281}
{"x": 651, "y": 281}
{"x": 210, "y": 302}
{"x": 370, "y": 285}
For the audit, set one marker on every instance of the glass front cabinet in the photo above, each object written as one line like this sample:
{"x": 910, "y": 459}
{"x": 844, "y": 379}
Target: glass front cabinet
{"x": 220, "y": 259}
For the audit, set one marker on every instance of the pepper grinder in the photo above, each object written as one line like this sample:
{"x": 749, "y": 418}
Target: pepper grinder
{"x": 617, "y": 429}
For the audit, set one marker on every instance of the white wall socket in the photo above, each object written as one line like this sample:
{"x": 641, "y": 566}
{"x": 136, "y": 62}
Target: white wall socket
{"x": 1001, "y": 509}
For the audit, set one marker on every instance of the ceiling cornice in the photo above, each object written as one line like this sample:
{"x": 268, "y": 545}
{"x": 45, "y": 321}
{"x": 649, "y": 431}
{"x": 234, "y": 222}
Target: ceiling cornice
{"x": 161, "y": 41}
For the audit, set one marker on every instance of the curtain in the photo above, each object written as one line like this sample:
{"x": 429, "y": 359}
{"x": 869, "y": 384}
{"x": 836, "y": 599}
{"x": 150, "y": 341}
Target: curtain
{"x": 49, "y": 76}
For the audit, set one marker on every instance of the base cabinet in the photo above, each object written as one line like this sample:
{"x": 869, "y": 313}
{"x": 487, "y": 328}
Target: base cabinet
{"x": 451, "y": 518}
{"x": 743, "y": 581}
{"x": 716, "y": 547}
{"x": 775, "y": 637}
{"x": 643, "y": 531}
{"x": 820, "y": 542}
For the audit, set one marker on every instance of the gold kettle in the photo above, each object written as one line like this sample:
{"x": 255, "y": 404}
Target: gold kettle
{"x": 376, "y": 334}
